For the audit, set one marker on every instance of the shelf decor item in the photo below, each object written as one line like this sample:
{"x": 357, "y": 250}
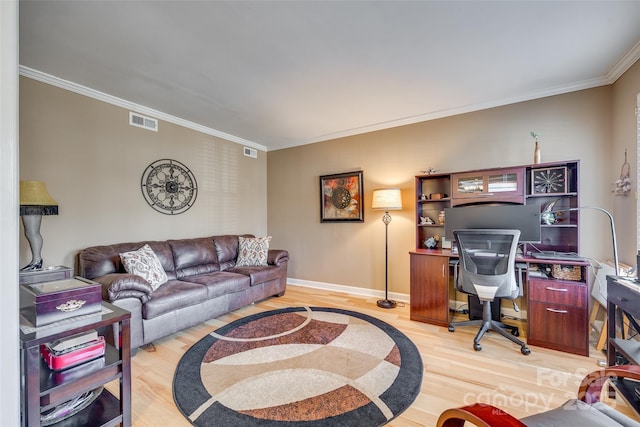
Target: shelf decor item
{"x": 387, "y": 199}
{"x": 623, "y": 184}
{"x": 549, "y": 180}
{"x": 35, "y": 201}
{"x": 341, "y": 197}
{"x": 536, "y": 150}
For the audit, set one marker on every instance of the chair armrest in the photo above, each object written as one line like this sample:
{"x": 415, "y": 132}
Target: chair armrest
{"x": 591, "y": 385}
{"x": 277, "y": 257}
{"x": 480, "y": 415}
{"x": 117, "y": 286}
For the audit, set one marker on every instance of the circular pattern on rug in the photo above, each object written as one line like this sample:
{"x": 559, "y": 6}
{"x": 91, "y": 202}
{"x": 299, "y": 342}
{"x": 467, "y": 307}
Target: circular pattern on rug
{"x": 299, "y": 366}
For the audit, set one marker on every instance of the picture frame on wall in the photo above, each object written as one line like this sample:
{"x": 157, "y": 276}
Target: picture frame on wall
{"x": 341, "y": 197}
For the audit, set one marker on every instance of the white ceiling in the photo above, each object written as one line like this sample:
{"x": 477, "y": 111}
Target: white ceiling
{"x": 276, "y": 74}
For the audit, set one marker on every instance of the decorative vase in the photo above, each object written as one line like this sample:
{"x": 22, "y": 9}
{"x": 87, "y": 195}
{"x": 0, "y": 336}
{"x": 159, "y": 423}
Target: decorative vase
{"x": 536, "y": 154}
{"x": 441, "y": 218}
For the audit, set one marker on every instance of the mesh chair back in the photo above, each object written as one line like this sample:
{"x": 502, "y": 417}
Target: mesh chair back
{"x": 487, "y": 262}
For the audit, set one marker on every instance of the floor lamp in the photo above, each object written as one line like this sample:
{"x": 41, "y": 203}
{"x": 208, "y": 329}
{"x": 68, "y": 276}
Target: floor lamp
{"x": 35, "y": 201}
{"x": 387, "y": 199}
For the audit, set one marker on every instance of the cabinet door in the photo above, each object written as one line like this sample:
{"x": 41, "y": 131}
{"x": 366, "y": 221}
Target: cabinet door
{"x": 430, "y": 289}
{"x": 559, "y": 327}
{"x": 506, "y": 185}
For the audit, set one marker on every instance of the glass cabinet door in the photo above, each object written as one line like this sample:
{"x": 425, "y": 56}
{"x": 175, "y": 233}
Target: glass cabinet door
{"x": 496, "y": 182}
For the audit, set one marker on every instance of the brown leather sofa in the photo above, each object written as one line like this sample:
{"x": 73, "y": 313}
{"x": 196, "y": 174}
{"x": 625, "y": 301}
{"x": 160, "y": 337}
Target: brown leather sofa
{"x": 204, "y": 283}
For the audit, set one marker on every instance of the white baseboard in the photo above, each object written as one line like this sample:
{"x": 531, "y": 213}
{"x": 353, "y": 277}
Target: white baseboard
{"x": 354, "y": 290}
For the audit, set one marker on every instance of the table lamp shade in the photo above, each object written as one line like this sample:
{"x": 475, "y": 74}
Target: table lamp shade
{"x": 388, "y": 199}
{"x": 35, "y": 199}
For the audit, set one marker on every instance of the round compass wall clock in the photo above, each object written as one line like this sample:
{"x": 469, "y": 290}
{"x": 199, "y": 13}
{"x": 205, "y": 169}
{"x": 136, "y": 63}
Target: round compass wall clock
{"x": 549, "y": 180}
{"x": 169, "y": 186}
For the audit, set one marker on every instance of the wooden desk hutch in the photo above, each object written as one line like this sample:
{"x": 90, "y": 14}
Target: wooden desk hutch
{"x": 557, "y": 299}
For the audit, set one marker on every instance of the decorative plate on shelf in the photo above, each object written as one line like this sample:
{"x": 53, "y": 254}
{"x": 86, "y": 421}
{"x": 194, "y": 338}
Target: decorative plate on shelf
{"x": 549, "y": 180}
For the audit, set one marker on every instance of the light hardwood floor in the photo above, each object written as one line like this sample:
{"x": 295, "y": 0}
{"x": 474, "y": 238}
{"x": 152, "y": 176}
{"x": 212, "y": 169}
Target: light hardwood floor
{"x": 454, "y": 374}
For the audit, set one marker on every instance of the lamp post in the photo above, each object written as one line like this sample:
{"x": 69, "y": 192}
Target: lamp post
{"x": 35, "y": 201}
{"x": 387, "y": 199}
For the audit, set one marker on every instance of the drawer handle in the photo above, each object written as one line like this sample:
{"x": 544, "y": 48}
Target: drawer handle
{"x": 553, "y": 310}
{"x": 549, "y": 288}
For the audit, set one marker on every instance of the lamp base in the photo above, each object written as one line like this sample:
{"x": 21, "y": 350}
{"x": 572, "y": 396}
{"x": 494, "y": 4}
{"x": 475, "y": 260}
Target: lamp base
{"x": 386, "y": 303}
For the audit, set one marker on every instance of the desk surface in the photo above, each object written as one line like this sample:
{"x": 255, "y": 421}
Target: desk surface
{"x": 526, "y": 259}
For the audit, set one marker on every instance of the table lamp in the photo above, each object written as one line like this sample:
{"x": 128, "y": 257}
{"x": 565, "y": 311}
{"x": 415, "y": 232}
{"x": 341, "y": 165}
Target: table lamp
{"x": 387, "y": 199}
{"x": 35, "y": 201}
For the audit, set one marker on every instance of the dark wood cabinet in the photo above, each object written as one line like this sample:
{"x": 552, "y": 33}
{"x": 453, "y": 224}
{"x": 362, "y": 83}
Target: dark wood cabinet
{"x": 429, "y": 289}
{"x": 557, "y": 315}
{"x": 506, "y": 185}
{"x": 43, "y": 388}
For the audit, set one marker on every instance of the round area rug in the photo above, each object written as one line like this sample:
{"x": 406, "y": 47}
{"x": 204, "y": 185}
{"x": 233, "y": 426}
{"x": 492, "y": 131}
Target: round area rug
{"x": 296, "y": 367}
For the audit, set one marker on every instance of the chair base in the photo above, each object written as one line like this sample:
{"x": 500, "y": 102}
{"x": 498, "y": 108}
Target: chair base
{"x": 488, "y": 324}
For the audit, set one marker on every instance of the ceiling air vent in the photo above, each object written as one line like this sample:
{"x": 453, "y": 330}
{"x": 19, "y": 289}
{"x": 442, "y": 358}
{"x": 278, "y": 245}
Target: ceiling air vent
{"x": 141, "y": 121}
{"x": 250, "y": 152}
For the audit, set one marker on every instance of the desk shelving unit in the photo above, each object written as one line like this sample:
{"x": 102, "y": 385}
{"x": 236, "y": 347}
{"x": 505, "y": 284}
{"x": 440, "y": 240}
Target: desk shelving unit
{"x": 551, "y": 300}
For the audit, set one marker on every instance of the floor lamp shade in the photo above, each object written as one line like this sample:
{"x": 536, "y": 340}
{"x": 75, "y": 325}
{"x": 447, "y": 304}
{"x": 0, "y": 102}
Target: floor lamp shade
{"x": 387, "y": 199}
{"x": 35, "y": 201}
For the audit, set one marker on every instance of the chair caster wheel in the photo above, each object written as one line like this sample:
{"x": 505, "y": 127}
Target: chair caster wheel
{"x": 525, "y": 350}
{"x": 451, "y": 329}
{"x": 478, "y": 347}
{"x": 515, "y": 332}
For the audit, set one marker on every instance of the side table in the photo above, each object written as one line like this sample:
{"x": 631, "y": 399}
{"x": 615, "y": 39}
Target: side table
{"x": 42, "y": 389}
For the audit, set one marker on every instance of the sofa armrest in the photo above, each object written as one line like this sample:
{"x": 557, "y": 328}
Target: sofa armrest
{"x": 277, "y": 257}
{"x": 117, "y": 286}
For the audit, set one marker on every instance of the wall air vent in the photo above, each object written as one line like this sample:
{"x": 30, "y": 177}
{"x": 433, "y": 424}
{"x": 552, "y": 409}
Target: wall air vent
{"x": 144, "y": 122}
{"x": 250, "y": 152}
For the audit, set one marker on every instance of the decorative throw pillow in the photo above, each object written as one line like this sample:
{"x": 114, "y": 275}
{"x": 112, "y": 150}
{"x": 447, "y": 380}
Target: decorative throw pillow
{"x": 145, "y": 263}
{"x": 252, "y": 251}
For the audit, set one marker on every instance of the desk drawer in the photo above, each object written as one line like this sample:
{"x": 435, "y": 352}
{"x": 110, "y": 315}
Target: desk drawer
{"x": 558, "y": 292}
{"x": 624, "y": 298}
{"x": 559, "y": 327}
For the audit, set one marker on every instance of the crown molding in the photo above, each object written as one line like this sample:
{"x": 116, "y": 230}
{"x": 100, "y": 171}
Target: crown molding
{"x": 123, "y": 103}
{"x": 625, "y": 63}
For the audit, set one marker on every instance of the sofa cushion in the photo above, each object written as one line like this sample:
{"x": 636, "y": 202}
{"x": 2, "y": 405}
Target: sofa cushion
{"x": 222, "y": 282}
{"x": 172, "y": 296}
{"x": 144, "y": 263}
{"x": 258, "y": 274}
{"x": 194, "y": 256}
{"x": 252, "y": 251}
{"x": 227, "y": 250}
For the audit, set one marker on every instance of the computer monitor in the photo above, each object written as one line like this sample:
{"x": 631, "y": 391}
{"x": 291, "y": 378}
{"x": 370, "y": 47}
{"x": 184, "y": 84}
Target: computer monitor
{"x": 525, "y": 218}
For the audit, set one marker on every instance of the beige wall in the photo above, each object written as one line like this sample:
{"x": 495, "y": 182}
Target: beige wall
{"x": 625, "y": 136}
{"x": 92, "y": 161}
{"x": 572, "y": 126}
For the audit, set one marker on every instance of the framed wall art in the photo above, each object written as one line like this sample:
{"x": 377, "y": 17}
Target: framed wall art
{"x": 341, "y": 197}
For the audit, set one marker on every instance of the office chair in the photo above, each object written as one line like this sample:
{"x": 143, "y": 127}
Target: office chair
{"x": 487, "y": 269}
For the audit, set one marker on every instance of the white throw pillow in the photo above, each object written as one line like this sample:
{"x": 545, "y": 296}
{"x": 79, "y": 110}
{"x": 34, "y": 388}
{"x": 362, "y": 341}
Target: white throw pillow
{"x": 145, "y": 263}
{"x": 252, "y": 251}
